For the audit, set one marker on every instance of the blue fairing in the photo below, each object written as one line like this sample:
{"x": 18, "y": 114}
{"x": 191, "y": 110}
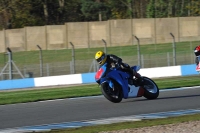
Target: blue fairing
{"x": 120, "y": 77}
{"x": 136, "y": 68}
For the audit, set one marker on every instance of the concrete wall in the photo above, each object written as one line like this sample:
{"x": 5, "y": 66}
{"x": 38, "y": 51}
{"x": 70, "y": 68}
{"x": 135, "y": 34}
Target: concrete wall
{"x": 2, "y": 41}
{"x": 164, "y": 27}
{"x": 97, "y": 32}
{"x": 15, "y": 39}
{"x": 144, "y": 29}
{"x": 36, "y": 35}
{"x": 77, "y": 33}
{"x": 189, "y": 28}
{"x": 87, "y": 78}
{"x": 56, "y": 37}
{"x": 120, "y": 32}
{"x": 90, "y": 34}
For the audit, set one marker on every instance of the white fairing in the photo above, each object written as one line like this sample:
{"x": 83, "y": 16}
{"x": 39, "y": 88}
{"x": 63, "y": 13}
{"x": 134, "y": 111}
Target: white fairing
{"x": 133, "y": 91}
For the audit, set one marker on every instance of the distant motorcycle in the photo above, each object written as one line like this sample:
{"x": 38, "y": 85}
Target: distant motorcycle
{"x": 198, "y": 65}
{"x": 117, "y": 84}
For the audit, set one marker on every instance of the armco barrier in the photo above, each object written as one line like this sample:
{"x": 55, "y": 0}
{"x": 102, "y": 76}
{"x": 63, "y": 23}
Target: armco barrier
{"x": 86, "y": 78}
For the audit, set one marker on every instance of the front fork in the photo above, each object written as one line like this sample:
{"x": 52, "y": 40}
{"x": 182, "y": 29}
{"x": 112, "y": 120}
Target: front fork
{"x": 110, "y": 83}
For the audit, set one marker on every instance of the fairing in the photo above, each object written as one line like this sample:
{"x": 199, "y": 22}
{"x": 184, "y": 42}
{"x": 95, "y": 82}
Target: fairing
{"x": 104, "y": 75}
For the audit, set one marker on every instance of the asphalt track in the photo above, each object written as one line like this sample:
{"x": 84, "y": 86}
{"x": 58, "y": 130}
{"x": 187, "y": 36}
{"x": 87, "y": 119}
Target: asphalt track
{"x": 92, "y": 108}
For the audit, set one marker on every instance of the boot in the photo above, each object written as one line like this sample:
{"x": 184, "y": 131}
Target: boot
{"x": 130, "y": 71}
{"x": 135, "y": 76}
{"x": 139, "y": 79}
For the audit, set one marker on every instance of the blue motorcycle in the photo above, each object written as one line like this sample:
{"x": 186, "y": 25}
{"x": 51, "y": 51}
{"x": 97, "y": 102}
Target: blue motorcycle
{"x": 117, "y": 84}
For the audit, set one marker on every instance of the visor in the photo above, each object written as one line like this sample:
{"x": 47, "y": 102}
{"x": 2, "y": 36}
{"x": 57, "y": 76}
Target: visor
{"x": 100, "y": 59}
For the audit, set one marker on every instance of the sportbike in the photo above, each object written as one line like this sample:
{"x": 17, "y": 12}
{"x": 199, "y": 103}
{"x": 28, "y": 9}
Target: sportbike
{"x": 117, "y": 84}
{"x": 198, "y": 65}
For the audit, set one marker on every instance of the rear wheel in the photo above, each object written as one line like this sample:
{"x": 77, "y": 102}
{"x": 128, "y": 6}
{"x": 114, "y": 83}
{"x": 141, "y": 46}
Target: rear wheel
{"x": 151, "y": 90}
{"x": 112, "y": 94}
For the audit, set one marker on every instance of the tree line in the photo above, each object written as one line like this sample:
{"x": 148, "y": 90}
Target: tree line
{"x": 21, "y": 13}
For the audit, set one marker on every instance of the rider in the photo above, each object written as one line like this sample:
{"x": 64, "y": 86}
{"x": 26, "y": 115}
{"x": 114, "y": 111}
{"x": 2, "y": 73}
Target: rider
{"x": 197, "y": 53}
{"x": 114, "y": 60}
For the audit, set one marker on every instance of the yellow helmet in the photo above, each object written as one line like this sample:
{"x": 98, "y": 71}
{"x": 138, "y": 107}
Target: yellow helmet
{"x": 100, "y": 57}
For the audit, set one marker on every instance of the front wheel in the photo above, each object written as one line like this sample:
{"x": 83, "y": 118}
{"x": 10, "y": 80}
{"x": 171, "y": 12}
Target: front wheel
{"x": 151, "y": 90}
{"x": 112, "y": 94}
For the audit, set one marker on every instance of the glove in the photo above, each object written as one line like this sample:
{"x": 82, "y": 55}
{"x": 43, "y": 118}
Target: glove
{"x": 119, "y": 63}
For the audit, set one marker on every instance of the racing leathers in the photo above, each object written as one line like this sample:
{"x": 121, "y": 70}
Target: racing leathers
{"x": 197, "y": 54}
{"x": 113, "y": 60}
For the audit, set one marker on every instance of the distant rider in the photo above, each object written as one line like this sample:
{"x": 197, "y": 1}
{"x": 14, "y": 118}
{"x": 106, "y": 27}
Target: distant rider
{"x": 197, "y": 53}
{"x": 113, "y": 60}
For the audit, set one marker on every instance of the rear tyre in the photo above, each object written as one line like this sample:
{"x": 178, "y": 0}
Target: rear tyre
{"x": 112, "y": 94}
{"x": 151, "y": 90}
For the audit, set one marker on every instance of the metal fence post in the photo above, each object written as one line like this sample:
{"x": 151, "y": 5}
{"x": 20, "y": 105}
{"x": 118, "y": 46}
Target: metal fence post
{"x": 174, "y": 49}
{"x": 10, "y": 63}
{"x": 168, "y": 59}
{"x": 70, "y": 66}
{"x": 142, "y": 61}
{"x": 41, "y": 61}
{"x": 138, "y": 49}
{"x": 105, "y": 48}
{"x": 73, "y": 58}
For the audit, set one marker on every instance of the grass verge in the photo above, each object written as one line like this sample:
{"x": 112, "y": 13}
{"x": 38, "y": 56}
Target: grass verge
{"x": 130, "y": 125}
{"x": 23, "y": 96}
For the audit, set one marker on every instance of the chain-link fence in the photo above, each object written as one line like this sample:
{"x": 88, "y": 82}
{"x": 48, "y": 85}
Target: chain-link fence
{"x": 63, "y": 62}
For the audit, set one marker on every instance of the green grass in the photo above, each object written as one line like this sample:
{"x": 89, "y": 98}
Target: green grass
{"x": 22, "y": 96}
{"x": 47, "y": 94}
{"x": 52, "y": 56}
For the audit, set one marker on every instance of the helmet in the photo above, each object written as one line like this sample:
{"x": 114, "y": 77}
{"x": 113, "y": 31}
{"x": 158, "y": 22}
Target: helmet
{"x": 100, "y": 57}
{"x": 197, "y": 50}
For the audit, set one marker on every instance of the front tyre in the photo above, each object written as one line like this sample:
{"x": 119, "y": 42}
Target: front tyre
{"x": 151, "y": 90}
{"x": 112, "y": 94}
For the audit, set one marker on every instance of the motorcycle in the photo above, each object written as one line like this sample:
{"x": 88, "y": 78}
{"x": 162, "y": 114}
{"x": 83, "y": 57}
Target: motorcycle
{"x": 117, "y": 84}
{"x": 198, "y": 65}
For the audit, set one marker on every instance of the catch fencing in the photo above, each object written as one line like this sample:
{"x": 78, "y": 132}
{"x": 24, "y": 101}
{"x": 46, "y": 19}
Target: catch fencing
{"x": 30, "y": 70}
{"x": 69, "y": 49}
